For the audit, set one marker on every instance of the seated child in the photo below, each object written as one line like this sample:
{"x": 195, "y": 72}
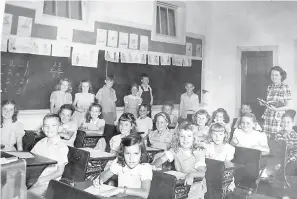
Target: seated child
{"x": 126, "y": 126}
{"x": 221, "y": 116}
{"x": 290, "y": 136}
{"x": 162, "y": 136}
{"x": 167, "y": 108}
{"x": 200, "y": 120}
{"x": 187, "y": 158}
{"x": 245, "y": 108}
{"x": 95, "y": 124}
{"x": 53, "y": 147}
{"x": 219, "y": 148}
{"x": 68, "y": 128}
{"x": 134, "y": 175}
{"x": 248, "y": 137}
{"x": 12, "y": 131}
{"x": 144, "y": 123}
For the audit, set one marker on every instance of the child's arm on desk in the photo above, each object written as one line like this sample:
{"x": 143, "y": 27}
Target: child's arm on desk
{"x": 199, "y": 173}
{"x": 54, "y": 175}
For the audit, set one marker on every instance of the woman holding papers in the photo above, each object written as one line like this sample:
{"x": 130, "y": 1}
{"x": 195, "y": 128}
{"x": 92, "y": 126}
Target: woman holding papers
{"x": 278, "y": 98}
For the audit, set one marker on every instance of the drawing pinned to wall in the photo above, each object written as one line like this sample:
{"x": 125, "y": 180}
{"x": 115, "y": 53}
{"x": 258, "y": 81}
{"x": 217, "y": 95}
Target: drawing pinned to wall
{"x": 61, "y": 49}
{"x": 7, "y": 21}
{"x": 143, "y": 43}
{"x": 112, "y": 40}
{"x": 4, "y": 41}
{"x": 133, "y": 41}
{"x": 64, "y": 34}
{"x": 123, "y": 40}
{"x": 101, "y": 37}
{"x": 41, "y": 46}
{"x": 153, "y": 58}
{"x": 198, "y": 50}
{"x": 24, "y": 26}
{"x": 84, "y": 55}
{"x": 111, "y": 55}
{"x": 187, "y": 61}
{"x": 165, "y": 59}
{"x": 124, "y": 56}
{"x": 20, "y": 45}
{"x": 177, "y": 60}
{"x": 189, "y": 49}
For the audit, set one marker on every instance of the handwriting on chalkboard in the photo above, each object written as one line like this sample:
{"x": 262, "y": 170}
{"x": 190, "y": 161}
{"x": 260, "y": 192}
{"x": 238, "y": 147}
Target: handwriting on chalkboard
{"x": 14, "y": 76}
{"x": 56, "y": 70}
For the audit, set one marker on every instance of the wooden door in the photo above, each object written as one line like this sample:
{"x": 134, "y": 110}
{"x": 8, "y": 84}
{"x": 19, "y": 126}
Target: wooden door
{"x": 255, "y": 78}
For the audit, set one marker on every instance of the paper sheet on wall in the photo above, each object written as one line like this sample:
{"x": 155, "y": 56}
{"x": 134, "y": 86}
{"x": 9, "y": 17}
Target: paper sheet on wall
{"x": 123, "y": 40}
{"x": 97, "y": 191}
{"x": 64, "y": 34}
{"x": 165, "y": 59}
{"x": 20, "y": 45}
{"x": 153, "y": 58}
{"x": 84, "y": 55}
{"x": 61, "y": 49}
{"x": 177, "y": 60}
{"x": 7, "y": 21}
{"x": 24, "y": 26}
{"x": 189, "y": 49}
{"x": 41, "y": 46}
{"x": 124, "y": 55}
{"x": 112, "y": 40}
{"x": 133, "y": 41}
{"x": 4, "y": 40}
{"x": 198, "y": 50}
{"x": 143, "y": 43}
{"x": 112, "y": 55}
{"x": 101, "y": 37}
{"x": 187, "y": 61}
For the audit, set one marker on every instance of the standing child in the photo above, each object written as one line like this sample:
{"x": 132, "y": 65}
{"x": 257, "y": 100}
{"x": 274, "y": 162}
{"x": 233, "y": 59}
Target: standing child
{"x": 187, "y": 159}
{"x": 167, "y": 108}
{"x": 245, "y": 108}
{"x": 290, "y": 137}
{"x": 248, "y": 137}
{"x": 12, "y": 131}
{"x": 161, "y": 137}
{"x": 51, "y": 147}
{"x": 144, "y": 123}
{"x": 132, "y": 101}
{"x": 189, "y": 102}
{"x": 221, "y": 116}
{"x": 83, "y": 99}
{"x": 126, "y": 126}
{"x": 95, "y": 123}
{"x": 201, "y": 119}
{"x": 62, "y": 95}
{"x": 106, "y": 97}
{"x": 134, "y": 175}
{"x": 145, "y": 91}
{"x": 68, "y": 128}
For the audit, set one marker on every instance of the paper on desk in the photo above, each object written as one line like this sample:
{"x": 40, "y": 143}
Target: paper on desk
{"x": 178, "y": 175}
{"x": 96, "y": 191}
{"x": 8, "y": 160}
{"x": 97, "y": 153}
{"x": 21, "y": 154}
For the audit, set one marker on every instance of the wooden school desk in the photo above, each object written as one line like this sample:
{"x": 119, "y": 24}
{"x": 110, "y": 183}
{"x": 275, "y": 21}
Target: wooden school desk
{"x": 85, "y": 163}
{"x": 34, "y": 166}
{"x": 151, "y": 152}
{"x": 87, "y": 138}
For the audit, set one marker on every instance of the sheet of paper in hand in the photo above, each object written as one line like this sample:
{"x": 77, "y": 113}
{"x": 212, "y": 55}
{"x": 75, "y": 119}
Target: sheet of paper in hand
{"x": 271, "y": 103}
{"x": 178, "y": 175}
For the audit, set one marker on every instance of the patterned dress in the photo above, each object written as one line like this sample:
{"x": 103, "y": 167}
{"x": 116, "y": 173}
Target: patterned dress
{"x": 272, "y": 119}
{"x": 291, "y": 140}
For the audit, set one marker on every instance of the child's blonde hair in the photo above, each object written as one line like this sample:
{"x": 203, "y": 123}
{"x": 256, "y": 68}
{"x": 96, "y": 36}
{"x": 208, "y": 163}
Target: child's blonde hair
{"x": 175, "y": 143}
{"x": 218, "y": 127}
{"x": 58, "y": 86}
{"x": 80, "y": 86}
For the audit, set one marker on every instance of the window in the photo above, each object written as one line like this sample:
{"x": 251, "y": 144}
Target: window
{"x": 165, "y": 19}
{"x": 169, "y": 22}
{"x": 66, "y": 9}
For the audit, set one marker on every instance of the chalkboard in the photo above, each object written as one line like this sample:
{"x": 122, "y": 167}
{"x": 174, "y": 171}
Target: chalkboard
{"x": 30, "y": 79}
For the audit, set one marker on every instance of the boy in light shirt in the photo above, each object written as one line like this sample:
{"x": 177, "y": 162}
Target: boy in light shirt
{"x": 189, "y": 102}
{"x": 52, "y": 147}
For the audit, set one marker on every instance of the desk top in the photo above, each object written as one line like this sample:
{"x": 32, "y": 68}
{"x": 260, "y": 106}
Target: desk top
{"x": 36, "y": 161}
{"x": 150, "y": 149}
{"x": 231, "y": 165}
{"x": 96, "y": 154}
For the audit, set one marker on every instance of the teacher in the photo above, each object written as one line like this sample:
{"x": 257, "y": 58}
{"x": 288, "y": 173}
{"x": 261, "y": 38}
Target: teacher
{"x": 280, "y": 94}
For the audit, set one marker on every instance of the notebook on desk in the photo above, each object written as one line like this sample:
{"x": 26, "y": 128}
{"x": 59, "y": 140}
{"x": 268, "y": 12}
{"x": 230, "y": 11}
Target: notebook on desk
{"x": 97, "y": 190}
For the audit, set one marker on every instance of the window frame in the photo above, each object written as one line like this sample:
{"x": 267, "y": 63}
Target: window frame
{"x": 167, "y": 7}
{"x": 180, "y": 22}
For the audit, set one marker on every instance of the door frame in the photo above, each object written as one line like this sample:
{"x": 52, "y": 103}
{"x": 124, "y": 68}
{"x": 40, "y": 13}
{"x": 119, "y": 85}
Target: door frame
{"x": 239, "y": 50}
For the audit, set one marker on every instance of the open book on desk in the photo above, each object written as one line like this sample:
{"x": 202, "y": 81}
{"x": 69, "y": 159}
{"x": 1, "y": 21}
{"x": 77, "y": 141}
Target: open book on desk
{"x": 275, "y": 104}
{"x": 97, "y": 190}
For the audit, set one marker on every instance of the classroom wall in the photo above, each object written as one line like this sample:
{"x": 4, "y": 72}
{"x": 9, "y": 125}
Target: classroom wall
{"x": 247, "y": 24}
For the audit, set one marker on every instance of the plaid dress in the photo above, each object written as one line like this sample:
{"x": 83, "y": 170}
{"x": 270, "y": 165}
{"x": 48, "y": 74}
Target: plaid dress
{"x": 272, "y": 119}
{"x": 291, "y": 140}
